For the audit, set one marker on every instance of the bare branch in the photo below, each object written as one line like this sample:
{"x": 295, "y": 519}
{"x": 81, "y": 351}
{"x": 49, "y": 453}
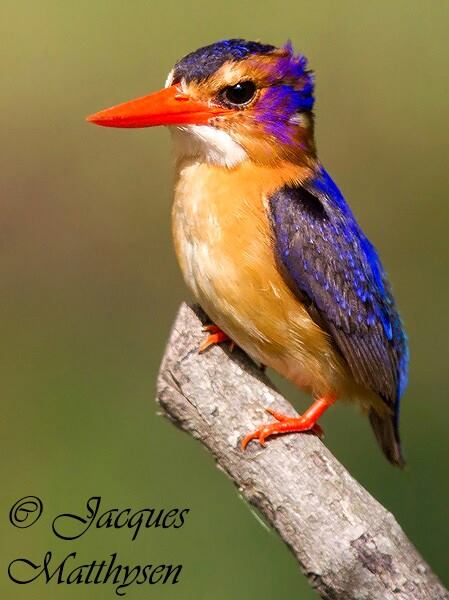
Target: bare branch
{"x": 347, "y": 544}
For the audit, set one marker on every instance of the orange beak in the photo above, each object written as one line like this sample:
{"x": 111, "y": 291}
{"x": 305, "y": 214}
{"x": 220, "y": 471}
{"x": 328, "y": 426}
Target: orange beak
{"x": 167, "y": 107}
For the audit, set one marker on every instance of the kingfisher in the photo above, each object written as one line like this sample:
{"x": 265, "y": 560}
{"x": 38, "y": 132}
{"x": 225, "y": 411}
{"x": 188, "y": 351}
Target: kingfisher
{"x": 265, "y": 239}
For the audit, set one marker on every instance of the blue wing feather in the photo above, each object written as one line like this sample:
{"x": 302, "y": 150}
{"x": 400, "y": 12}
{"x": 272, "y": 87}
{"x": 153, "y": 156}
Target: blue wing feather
{"x": 331, "y": 264}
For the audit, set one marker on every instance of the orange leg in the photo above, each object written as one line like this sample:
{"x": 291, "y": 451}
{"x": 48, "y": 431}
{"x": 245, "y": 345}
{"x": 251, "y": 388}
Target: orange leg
{"x": 284, "y": 424}
{"x": 216, "y": 336}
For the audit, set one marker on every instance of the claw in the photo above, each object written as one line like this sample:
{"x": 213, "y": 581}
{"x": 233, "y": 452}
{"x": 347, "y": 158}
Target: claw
{"x": 277, "y": 415}
{"x": 216, "y": 336}
{"x": 285, "y": 424}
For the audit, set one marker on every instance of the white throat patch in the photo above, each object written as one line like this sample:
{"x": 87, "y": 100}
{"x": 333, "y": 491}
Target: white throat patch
{"x": 208, "y": 144}
{"x": 205, "y": 143}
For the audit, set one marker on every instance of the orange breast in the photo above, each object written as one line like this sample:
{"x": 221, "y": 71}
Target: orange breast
{"x": 223, "y": 241}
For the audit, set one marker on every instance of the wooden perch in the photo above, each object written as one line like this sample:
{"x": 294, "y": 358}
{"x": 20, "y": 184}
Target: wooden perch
{"x": 347, "y": 544}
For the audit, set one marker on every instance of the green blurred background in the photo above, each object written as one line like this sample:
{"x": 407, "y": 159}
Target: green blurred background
{"x": 90, "y": 286}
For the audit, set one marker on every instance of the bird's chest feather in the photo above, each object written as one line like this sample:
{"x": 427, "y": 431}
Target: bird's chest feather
{"x": 224, "y": 245}
{"x": 221, "y": 236}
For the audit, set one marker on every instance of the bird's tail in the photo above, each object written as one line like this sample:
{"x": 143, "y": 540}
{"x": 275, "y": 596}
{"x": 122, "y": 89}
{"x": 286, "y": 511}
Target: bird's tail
{"x": 387, "y": 434}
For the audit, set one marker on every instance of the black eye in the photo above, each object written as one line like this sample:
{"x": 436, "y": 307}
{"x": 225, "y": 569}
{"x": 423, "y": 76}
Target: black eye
{"x": 240, "y": 93}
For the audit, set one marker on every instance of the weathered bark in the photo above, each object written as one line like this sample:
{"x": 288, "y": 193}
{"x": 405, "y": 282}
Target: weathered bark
{"x": 347, "y": 544}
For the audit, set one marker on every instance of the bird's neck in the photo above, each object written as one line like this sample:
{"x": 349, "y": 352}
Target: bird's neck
{"x": 216, "y": 147}
{"x": 198, "y": 180}
{"x": 290, "y": 143}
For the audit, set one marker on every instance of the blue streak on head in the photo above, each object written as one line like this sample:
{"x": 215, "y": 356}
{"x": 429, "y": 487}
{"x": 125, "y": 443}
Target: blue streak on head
{"x": 274, "y": 110}
{"x": 290, "y": 92}
{"x": 277, "y": 107}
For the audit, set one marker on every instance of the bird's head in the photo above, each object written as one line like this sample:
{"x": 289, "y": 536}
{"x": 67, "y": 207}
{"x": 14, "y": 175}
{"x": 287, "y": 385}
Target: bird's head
{"x": 229, "y": 102}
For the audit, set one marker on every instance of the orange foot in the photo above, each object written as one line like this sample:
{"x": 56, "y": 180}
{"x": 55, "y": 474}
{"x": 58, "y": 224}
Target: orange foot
{"x": 284, "y": 424}
{"x": 216, "y": 336}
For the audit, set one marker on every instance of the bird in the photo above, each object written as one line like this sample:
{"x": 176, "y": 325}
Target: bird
{"x": 266, "y": 241}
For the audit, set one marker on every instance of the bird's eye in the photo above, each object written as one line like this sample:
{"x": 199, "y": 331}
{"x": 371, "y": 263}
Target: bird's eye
{"x": 240, "y": 93}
